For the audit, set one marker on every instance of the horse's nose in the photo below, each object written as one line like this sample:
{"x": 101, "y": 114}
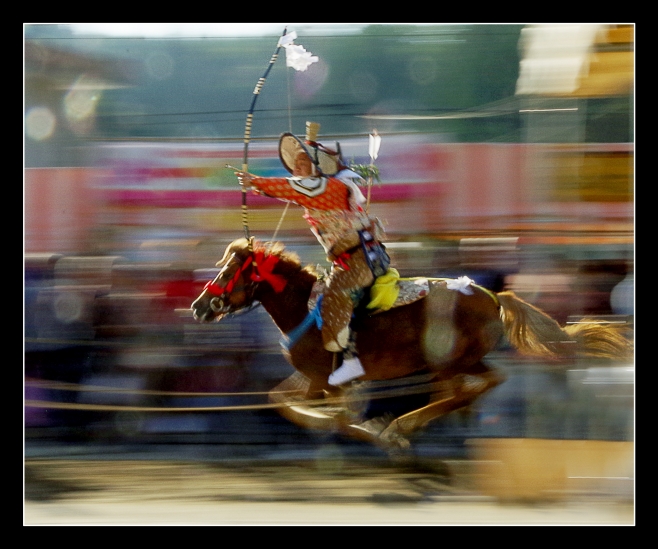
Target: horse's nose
{"x": 195, "y": 308}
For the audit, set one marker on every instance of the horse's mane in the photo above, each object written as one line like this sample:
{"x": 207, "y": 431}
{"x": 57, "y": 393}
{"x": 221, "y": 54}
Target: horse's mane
{"x": 289, "y": 260}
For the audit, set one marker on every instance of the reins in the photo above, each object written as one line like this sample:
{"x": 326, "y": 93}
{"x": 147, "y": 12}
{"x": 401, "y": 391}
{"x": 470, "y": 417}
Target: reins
{"x": 287, "y": 341}
{"x": 215, "y": 289}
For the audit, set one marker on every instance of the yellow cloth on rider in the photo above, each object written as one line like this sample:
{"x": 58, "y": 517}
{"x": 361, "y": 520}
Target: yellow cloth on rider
{"x": 385, "y": 290}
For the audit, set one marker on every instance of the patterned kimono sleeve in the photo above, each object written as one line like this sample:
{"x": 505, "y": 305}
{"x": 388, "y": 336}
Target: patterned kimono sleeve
{"x": 333, "y": 197}
{"x": 276, "y": 187}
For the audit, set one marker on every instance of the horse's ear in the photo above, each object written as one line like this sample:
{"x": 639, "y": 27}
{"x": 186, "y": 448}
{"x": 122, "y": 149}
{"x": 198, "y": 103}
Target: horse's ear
{"x": 241, "y": 242}
{"x": 228, "y": 255}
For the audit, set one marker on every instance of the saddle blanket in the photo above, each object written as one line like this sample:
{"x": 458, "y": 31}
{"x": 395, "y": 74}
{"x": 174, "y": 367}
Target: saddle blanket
{"x": 387, "y": 292}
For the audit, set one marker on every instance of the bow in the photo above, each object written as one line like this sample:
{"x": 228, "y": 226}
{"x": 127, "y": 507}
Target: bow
{"x": 247, "y": 130}
{"x": 297, "y": 58}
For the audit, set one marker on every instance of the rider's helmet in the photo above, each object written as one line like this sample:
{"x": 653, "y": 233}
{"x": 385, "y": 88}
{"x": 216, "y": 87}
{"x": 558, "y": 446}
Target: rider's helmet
{"x": 325, "y": 161}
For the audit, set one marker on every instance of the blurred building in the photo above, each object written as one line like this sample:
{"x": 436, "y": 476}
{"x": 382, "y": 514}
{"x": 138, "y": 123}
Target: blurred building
{"x": 577, "y": 60}
{"x": 62, "y": 92}
{"x": 63, "y": 88}
{"x": 576, "y": 87}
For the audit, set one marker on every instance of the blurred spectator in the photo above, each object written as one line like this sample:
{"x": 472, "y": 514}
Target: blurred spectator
{"x": 487, "y": 261}
{"x": 593, "y": 285}
{"x": 622, "y": 297}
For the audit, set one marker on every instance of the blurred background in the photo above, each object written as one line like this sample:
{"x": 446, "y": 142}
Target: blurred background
{"x": 507, "y": 155}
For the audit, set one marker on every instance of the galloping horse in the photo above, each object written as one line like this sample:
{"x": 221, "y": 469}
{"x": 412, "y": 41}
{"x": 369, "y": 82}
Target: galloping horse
{"x": 437, "y": 341}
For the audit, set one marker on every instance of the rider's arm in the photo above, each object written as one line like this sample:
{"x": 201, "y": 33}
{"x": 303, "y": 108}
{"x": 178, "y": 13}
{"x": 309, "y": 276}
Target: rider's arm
{"x": 316, "y": 193}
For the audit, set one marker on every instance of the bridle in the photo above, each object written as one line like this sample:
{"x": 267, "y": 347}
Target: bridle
{"x": 262, "y": 267}
{"x": 219, "y": 293}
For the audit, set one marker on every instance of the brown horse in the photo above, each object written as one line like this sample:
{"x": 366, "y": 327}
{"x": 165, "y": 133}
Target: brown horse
{"x": 439, "y": 340}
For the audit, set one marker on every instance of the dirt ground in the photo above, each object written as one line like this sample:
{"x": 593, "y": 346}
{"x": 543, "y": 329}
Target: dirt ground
{"x": 324, "y": 492}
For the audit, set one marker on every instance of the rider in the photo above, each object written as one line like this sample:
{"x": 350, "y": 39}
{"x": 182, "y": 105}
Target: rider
{"x": 333, "y": 203}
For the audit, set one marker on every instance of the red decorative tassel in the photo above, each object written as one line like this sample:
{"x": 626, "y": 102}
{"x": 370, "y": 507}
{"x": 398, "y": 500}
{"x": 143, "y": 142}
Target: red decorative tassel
{"x": 263, "y": 271}
{"x": 340, "y": 261}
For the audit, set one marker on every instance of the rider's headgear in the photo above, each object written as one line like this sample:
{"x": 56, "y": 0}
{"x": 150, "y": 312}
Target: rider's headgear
{"x": 325, "y": 161}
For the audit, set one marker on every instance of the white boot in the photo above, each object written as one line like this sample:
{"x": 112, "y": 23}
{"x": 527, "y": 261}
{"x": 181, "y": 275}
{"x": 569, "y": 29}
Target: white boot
{"x": 350, "y": 369}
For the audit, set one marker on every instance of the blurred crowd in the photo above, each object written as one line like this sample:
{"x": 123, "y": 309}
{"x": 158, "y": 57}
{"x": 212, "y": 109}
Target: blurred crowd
{"x": 125, "y": 328}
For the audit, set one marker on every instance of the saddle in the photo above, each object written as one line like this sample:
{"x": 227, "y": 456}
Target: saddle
{"x": 387, "y": 292}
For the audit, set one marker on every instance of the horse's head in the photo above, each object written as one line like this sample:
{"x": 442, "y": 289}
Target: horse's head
{"x": 242, "y": 269}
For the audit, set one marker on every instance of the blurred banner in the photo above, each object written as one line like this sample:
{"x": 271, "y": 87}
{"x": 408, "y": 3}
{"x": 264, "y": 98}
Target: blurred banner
{"x": 427, "y": 189}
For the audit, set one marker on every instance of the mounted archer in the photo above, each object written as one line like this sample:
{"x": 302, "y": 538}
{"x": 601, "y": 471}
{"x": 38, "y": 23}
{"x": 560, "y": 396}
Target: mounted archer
{"x": 351, "y": 238}
{"x": 425, "y": 347}
{"x": 416, "y": 337}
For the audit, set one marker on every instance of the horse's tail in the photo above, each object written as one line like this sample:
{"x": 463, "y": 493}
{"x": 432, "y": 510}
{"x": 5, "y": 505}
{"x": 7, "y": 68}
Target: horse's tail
{"x": 532, "y": 332}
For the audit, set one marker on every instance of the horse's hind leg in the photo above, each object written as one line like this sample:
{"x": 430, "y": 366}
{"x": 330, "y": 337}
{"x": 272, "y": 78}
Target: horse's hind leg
{"x": 461, "y": 390}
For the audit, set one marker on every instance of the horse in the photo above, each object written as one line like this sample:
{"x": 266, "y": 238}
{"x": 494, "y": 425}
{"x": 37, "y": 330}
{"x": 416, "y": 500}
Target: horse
{"x": 433, "y": 345}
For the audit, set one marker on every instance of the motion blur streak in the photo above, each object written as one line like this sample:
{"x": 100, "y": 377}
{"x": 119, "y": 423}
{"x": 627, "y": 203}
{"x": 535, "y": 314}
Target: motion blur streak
{"x": 507, "y": 156}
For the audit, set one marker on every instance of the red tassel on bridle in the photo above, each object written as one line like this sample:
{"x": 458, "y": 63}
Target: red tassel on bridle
{"x": 262, "y": 272}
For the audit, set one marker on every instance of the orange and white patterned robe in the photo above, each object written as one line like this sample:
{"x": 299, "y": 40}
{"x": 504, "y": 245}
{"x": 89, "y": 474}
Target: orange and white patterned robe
{"x": 333, "y": 210}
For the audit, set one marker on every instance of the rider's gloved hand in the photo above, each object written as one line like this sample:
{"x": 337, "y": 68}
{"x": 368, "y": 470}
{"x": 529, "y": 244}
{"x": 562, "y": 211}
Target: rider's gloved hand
{"x": 244, "y": 179}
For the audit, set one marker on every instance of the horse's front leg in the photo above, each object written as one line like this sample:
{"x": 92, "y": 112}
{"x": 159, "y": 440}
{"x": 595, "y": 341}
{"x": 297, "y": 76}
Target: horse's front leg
{"x": 300, "y": 402}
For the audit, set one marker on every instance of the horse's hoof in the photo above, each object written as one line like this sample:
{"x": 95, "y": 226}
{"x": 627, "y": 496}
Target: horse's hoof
{"x": 473, "y": 384}
{"x": 374, "y": 426}
{"x": 378, "y": 431}
{"x": 478, "y": 384}
{"x": 393, "y": 439}
{"x": 396, "y": 443}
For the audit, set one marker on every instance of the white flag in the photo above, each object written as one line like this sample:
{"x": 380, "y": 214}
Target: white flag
{"x": 296, "y": 56}
{"x": 374, "y": 143}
